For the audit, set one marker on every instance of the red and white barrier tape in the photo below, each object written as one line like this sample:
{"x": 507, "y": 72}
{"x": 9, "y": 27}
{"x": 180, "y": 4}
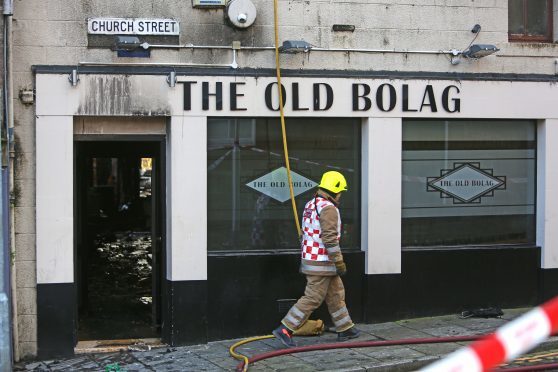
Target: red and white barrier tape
{"x": 507, "y": 343}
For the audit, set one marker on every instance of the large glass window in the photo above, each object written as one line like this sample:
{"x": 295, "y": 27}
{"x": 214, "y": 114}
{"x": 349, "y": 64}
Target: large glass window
{"x": 530, "y": 20}
{"x": 468, "y": 182}
{"x": 248, "y": 197}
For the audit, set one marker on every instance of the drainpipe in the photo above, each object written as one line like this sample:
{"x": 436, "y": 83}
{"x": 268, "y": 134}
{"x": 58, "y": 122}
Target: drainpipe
{"x": 7, "y": 333}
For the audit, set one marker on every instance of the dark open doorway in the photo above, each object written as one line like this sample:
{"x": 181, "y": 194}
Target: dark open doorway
{"x": 119, "y": 247}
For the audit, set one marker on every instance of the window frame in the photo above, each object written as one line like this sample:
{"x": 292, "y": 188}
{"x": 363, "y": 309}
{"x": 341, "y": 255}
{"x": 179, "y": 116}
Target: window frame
{"x": 295, "y": 249}
{"x": 482, "y": 245}
{"x": 547, "y": 38}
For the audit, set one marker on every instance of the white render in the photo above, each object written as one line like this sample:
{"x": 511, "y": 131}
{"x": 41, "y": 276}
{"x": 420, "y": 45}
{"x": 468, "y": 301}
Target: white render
{"x": 479, "y": 99}
{"x": 187, "y": 199}
{"x": 381, "y": 195}
{"x": 547, "y": 192}
{"x": 55, "y": 199}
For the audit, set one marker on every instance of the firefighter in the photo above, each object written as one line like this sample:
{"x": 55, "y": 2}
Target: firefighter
{"x": 322, "y": 263}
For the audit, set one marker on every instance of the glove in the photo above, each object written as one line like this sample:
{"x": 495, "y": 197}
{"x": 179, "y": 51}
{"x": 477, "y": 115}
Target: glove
{"x": 341, "y": 268}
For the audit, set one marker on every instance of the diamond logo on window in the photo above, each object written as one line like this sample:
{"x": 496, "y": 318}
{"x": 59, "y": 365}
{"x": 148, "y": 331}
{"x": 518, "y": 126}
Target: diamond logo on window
{"x": 276, "y": 185}
{"x": 466, "y": 183}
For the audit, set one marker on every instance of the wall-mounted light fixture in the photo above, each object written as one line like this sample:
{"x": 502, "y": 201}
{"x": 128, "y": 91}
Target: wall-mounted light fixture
{"x": 73, "y": 78}
{"x": 295, "y": 46}
{"x": 479, "y": 51}
{"x": 473, "y": 51}
{"x": 127, "y": 43}
{"x": 171, "y": 79}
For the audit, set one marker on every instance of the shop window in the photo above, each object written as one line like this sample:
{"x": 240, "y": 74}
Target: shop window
{"x": 248, "y": 199}
{"x": 530, "y": 20}
{"x": 468, "y": 182}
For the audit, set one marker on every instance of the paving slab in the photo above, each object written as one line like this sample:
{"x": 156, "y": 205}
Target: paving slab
{"x": 480, "y": 324}
{"x": 397, "y": 332}
{"x": 448, "y": 331}
{"x": 288, "y": 363}
{"x": 391, "y": 353}
{"x": 436, "y": 349}
{"x": 423, "y": 323}
{"x": 404, "y": 365}
{"x": 341, "y": 358}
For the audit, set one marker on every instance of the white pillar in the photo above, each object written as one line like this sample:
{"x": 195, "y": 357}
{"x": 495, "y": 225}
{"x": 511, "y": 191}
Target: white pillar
{"x": 381, "y": 195}
{"x": 55, "y": 199}
{"x": 547, "y": 192}
{"x": 187, "y": 199}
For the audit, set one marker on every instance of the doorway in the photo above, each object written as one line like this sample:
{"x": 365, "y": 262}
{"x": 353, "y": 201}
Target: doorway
{"x": 119, "y": 224}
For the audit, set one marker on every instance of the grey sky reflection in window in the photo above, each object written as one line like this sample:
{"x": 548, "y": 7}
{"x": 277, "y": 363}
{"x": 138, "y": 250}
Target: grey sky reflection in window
{"x": 468, "y": 182}
{"x": 247, "y": 210}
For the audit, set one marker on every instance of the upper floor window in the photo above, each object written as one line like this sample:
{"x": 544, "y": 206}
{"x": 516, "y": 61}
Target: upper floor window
{"x": 530, "y": 20}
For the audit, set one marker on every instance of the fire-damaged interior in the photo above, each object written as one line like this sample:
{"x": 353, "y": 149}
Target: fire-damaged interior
{"x": 119, "y": 251}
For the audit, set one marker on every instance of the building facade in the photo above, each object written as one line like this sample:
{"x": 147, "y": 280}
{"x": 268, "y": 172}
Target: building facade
{"x": 151, "y": 198}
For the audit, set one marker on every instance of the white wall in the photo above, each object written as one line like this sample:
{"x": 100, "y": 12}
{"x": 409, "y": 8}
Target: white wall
{"x": 483, "y": 99}
{"x": 55, "y": 199}
{"x": 187, "y": 199}
{"x": 547, "y": 192}
{"x": 381, "y": 195}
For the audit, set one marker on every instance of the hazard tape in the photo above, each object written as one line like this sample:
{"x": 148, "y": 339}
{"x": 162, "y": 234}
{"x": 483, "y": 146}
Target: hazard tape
{"x": 508, "y": 342}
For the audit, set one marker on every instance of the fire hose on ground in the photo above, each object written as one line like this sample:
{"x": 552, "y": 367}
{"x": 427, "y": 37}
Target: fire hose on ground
{"x": 505, "y": 344}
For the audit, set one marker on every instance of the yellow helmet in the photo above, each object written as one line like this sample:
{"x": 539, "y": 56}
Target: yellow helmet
{"x": 333, "y": 181}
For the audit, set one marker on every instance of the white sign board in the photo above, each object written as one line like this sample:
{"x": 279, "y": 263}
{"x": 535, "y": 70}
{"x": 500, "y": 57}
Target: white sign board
{"x": 132, "y": 26}
{"x": 208, "y": 3}
{"x": 466, "y": 183}
{"x": 276, "y": 184}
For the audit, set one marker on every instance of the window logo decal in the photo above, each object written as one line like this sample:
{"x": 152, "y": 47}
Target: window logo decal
{"x": 276, "y": 185}
{"x": 466, "y": 183}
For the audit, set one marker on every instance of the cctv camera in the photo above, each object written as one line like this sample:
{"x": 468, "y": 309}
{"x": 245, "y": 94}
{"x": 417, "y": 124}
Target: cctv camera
{"x": 242, "y": 18}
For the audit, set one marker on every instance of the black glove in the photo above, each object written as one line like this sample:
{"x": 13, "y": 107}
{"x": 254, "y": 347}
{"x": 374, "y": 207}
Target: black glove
{"x": 341, "y": 268}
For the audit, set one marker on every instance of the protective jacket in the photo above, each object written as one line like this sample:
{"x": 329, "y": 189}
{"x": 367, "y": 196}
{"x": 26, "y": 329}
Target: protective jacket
{"x": 321, "y": 231}
{"x": 321, "y": 226}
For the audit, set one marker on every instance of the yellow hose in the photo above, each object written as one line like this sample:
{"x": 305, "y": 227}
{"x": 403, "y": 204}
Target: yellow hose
{"x": 289, "y": 178}
{"x": 282, "y": 115}
{"x": 244, "y": 357}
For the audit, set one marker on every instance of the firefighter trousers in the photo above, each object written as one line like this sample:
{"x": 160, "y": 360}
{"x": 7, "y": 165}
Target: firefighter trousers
{"x": 318, "y": 289}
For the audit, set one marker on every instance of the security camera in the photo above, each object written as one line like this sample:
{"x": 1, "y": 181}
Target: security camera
{"x": 242, "y": 18}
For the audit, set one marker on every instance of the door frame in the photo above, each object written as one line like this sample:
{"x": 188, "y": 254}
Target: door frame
{"x": 158, "y": 215}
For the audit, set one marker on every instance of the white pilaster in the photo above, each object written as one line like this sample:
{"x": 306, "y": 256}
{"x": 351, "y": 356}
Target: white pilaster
{"x": 547, "y": 192}
{"x": 381, "y": 195}
{"x": 187, "y": 199}
{"x": 55, "y": 199}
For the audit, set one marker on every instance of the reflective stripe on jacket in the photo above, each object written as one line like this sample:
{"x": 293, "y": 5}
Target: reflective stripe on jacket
{"x": 321, "y": 231}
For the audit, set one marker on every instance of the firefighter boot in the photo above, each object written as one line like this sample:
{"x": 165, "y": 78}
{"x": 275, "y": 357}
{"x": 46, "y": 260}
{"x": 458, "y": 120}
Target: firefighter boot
{"x": 352, "y": 332}
{"x": 284, "y": 335}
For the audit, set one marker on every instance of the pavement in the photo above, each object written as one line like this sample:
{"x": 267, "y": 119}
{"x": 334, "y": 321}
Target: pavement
{"x": 214, "y": 356}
